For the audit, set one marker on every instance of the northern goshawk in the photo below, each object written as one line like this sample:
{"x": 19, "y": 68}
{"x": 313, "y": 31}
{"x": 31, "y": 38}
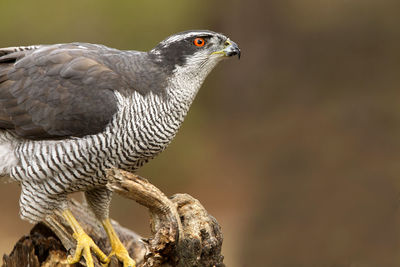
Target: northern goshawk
{"x": 69, "y": 112}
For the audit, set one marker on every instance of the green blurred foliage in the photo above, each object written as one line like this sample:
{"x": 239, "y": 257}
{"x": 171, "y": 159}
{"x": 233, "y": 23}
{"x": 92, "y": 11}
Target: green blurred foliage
{"x": 123, "y": 24}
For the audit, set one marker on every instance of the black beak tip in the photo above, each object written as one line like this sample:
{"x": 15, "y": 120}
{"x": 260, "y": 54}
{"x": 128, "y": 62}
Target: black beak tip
{"x": 232, "y": 50}
{"x": 235, "y": 52}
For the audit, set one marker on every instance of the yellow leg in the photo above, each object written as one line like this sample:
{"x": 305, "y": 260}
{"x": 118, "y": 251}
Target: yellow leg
{"x": 117, "y": 248}
{"x": 84, "y": 243}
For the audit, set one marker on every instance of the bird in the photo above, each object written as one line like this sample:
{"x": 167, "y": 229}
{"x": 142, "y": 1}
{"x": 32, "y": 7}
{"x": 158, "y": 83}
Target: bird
{"x": 69, "y": 112}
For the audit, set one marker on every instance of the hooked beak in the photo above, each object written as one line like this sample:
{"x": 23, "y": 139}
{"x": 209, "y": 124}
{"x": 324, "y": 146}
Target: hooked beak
{"x": 231, "y": 49}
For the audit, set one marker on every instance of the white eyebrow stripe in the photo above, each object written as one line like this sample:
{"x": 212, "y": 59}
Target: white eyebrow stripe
{"x": 176, "y": 38}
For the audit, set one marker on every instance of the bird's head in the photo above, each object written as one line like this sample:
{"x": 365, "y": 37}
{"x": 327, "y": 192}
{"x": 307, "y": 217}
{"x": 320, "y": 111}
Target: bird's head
{"x": 194, "y": 52}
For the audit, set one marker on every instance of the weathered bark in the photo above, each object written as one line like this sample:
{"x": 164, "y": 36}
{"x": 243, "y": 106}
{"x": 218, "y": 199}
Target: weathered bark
{"x": 183, "y": 233}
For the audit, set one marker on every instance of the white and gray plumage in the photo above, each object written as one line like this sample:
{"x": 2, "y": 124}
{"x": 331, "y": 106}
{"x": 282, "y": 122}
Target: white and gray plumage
{"x": 68, "y": 112}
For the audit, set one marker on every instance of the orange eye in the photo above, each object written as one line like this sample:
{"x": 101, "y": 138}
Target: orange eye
{"x": 199, "y": 42}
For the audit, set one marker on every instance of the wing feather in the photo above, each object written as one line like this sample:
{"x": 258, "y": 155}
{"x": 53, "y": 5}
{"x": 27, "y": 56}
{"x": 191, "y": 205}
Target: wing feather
{"x": 56, "y": 91}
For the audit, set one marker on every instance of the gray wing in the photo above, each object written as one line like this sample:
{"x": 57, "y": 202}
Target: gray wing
{"x": 56, "y": 91}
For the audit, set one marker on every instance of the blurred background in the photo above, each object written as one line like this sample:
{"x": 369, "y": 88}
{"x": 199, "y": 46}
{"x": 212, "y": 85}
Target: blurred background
{"x": 295, "y": 148}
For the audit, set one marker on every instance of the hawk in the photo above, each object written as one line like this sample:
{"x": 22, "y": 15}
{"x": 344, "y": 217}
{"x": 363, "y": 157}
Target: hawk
{"x": 69, "y": 112}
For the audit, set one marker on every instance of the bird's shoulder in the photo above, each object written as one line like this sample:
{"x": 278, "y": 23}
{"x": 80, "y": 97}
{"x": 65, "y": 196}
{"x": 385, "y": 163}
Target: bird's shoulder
{"x": 62, "y": 90}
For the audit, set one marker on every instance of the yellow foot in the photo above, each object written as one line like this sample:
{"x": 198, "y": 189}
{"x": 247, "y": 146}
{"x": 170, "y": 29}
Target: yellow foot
{"x": 122, "y": 255}
{"x": 117, "y": 248}
{"x": 84, "y": 245}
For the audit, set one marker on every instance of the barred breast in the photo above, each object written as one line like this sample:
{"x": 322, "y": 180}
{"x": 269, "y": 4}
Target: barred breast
{"x": 49, "y": 170}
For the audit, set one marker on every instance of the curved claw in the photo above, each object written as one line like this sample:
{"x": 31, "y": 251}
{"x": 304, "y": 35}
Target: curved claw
{"x": 84, "y": 247}
{"x": 122, "y": 257}
{"x": 84, "y": 243}
{"x": 117, "y": 248}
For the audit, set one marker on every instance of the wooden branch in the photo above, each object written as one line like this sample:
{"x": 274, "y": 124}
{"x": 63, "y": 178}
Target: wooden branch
{"x": 183, "y": 233}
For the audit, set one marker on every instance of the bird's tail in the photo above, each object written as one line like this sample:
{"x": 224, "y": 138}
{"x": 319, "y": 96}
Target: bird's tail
{"x": 8, "y": 56}
{"x": 7, "y": 156}
{"x": 16, "y": 49}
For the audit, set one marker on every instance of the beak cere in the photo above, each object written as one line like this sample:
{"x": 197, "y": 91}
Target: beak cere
{"x": 231, "y": 49}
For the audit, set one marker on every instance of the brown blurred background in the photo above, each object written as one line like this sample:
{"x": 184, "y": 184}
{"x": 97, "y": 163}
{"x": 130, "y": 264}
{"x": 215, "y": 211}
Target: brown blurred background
{"x": 295, "y": 148}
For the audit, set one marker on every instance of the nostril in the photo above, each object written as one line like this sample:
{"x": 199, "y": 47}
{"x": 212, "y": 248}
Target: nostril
{"x": 227, "y": 43}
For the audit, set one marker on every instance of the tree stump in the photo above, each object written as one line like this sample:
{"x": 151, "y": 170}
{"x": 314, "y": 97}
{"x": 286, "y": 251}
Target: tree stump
{"x": 183, "y": 233}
